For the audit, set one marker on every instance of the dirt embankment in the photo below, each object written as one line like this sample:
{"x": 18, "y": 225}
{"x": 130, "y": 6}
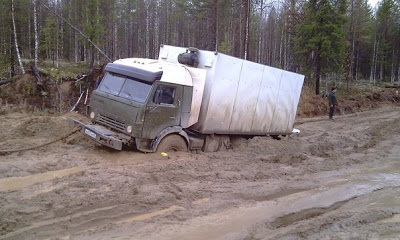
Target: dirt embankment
{"x": 53, "y": 95}
{"x": 357, "y": 99}
{"x": 46, "y": 94}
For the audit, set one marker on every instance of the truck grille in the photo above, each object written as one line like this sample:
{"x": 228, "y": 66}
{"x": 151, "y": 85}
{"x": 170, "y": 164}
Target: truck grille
{"x": 111, "y": 122}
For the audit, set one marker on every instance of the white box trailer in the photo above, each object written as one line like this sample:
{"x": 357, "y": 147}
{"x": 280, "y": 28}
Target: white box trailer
{"x": 242, "y": 97}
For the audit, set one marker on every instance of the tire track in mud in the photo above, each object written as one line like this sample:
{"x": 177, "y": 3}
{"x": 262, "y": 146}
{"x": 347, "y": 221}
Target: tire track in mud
{"x": 340, "y": 220}
{"x": 297, "y": 215}
{"x": 49, "y": 225}
{"x": 380, "y": 132}
{"x": 350, "y": 134}
{"x": 83, "y": 222}
{"x": 293, "y": 218}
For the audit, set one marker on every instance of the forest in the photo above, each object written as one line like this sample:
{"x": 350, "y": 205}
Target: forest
{"x": 330, "y": 41}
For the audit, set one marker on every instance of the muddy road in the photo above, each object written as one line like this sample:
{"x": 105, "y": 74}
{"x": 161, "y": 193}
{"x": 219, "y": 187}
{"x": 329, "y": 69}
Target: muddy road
{"x": 336, "y": 180}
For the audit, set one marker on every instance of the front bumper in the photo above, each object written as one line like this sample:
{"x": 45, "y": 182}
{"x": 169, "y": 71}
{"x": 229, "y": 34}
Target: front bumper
{"x": 102, "y": 135}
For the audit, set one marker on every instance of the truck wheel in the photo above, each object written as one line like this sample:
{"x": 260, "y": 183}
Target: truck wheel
{"x": 172, "y": 143}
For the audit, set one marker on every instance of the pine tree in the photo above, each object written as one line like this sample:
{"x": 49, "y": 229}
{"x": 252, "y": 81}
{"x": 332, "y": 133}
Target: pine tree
{"x": 358, "y": 38}
{"x": 320, "y": 39}
{"x": 93, "y": 27}
{"x": 386, "y": 41}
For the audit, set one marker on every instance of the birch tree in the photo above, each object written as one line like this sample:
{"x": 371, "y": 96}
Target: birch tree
{"x": 15, "y": 38}
{"x": 246, "y": 41}
{"x": 36, "y": 39}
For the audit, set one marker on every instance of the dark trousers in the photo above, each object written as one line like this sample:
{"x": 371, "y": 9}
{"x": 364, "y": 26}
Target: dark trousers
{"x": 331, "y": 111}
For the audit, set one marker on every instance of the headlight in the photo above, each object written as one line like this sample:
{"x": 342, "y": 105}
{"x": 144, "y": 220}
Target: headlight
{"x": 129, "y": 129}
{"x": 92, "y": 115}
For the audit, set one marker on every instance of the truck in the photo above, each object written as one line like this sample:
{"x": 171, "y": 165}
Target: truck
{"x": 190, "y": 99}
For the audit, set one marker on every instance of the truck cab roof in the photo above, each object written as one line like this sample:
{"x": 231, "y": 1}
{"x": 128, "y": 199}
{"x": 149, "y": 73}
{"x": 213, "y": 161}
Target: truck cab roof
{"x": 135, "y": 71}
{"x": 150, "y": 70}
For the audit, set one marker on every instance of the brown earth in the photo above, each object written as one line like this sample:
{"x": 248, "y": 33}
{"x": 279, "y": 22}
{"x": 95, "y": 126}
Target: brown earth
{"x": 335, "y": 180}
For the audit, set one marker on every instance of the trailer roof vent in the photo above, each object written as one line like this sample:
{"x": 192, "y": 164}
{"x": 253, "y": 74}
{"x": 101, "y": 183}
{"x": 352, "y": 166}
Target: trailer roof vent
{"x": 164, "y": 55}
{"x": 190, "y": 57}
{"x": 209, "y": 62}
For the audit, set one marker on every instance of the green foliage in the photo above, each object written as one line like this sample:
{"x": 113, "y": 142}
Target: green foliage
{"x": 93, "y": 26}
{"x": 225, "y": 46}
{"x": 313, "y": 32}
{"x": 388, "y": 36}
{"x": 320, "y": 39}
{"x": 5, "y": 32}
{"x": 50, "y": 36}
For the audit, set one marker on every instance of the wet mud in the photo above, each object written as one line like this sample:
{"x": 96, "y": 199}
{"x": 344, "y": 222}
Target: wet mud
{"x": 335, "y": 180}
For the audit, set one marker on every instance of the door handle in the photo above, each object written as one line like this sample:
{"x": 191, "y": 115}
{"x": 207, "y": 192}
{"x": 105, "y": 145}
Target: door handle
{"x": 172, "y": 117}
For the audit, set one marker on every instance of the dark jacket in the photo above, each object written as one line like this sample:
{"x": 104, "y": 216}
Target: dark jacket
{"x": 332, "y": 99}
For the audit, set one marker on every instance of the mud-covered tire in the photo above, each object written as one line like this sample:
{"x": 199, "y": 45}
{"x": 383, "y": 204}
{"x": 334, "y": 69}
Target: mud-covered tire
{"x": 172, "y": 143}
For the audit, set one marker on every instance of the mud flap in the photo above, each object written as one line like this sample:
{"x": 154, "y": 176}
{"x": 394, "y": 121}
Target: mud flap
{"x": 215, "y": 143}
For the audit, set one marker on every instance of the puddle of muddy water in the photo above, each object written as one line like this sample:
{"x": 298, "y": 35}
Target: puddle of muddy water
{"x": 16, "y": 183}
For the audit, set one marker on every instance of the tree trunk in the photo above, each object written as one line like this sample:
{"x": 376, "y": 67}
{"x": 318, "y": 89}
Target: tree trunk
{"x": 317, "y": 71}
{"x": 61, "y": 42}
{"x": 393, "y": 68}
{"x": 381, "y": 68}
{"x": 398, "y": 74}
{"x": 356, "y": 63}
{"x": 373, "y": 64}
{"x": 12, "y": 58}
{"x": 15, "y": 38}
{"x": 260, "y": 26}
{"x": 216, "y": 25}
{"x": 281, "y": 46}
{"x": 115, "y": 42}
{"x": 76, "y": 48}
{"x": 317, "y": 78}
{"x": 92, "y": 57}
{"x": 246, "y": 30}
{"x": 36, "y": 34}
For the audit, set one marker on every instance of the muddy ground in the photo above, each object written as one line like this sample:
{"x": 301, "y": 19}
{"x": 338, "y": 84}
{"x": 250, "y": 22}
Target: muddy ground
{"x": 335, "y": 180}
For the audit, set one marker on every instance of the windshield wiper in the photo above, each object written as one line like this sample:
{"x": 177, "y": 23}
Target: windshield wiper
{"x": 125, "y": 92}
{"x": 108, "y": 89}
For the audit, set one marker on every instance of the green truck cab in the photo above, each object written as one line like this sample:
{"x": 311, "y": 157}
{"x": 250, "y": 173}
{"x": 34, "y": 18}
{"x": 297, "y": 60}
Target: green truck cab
{"x": 132, "y": 106}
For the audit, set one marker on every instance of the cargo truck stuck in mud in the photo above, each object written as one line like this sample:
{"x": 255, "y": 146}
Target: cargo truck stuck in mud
{"x": 190, "y": 99}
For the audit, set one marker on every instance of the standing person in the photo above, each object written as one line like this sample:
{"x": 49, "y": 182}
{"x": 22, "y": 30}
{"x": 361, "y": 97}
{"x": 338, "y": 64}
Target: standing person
{"x": 332, "y": 102}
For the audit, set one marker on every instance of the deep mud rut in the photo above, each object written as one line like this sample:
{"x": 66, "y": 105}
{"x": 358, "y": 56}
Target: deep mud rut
{"x": 335, "y": 180}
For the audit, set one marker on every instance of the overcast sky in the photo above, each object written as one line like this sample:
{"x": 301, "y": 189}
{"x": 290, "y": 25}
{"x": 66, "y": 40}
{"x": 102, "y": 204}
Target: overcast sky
{"x": 373, "y": 2}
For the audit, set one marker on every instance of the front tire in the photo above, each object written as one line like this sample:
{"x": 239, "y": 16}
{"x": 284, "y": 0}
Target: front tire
{"x": 172, "y": 143}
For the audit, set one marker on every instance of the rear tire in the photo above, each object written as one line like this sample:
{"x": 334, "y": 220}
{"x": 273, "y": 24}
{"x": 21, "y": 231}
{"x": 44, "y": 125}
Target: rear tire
{"x": 172, "y": 143}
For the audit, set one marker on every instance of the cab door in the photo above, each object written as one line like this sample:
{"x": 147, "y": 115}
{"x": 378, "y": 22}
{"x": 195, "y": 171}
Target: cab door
{"x": 163, "y": 109}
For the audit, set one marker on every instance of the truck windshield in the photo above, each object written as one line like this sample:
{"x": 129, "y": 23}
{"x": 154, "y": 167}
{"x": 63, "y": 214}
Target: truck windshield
{"x": 125, "y": 87}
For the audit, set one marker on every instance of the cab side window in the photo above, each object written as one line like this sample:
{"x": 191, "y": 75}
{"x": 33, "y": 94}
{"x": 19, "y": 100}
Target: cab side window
{"x": 164, "y": 95}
